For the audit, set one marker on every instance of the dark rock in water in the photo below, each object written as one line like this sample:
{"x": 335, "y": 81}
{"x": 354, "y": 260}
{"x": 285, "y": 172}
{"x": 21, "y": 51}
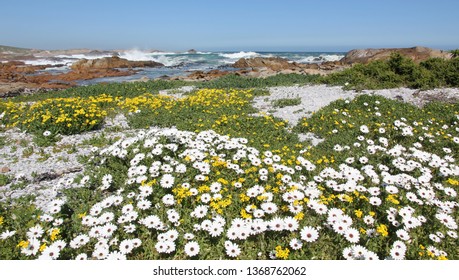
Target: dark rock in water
{"x": 417, "y": 54}
{"x": 192, "y": 51}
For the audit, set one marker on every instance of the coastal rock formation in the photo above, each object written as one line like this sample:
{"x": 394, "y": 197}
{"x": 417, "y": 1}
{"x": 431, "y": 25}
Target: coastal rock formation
{"x": 272, "y": 63}
{"x": 418, "y": 54}
{"x": 85, "y": 65}
{"x": 203, "y": 76}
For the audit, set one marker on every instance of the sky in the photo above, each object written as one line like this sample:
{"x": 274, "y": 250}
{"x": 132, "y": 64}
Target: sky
{"x": 229, "y": 25}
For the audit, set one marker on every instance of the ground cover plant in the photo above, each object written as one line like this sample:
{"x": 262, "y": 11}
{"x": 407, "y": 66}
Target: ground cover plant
{"x": 285, "y": 102}
{"x": 398, "y": 71}
{"x": 205, "y": 176}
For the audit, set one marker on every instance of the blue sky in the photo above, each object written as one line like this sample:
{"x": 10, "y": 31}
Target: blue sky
{"x": 287, "y": 25}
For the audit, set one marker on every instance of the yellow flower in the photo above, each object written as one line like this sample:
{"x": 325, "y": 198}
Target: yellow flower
{"x": 43, "y": 247}
{"x": 382, "y": 229}
{"x": 299, "y": 216}
{"x": 1, "y": 220}
{"x": 282, "y": 253}
{"x": 54, "y": 234}
{"x": 453, "y": 182}
{"x": 245, "y": 215}
{"x": 358, "y": 213}
{"x": 392, "y": 198}
{"x": 23, "y": 244}
{"x": 244, "y": 198}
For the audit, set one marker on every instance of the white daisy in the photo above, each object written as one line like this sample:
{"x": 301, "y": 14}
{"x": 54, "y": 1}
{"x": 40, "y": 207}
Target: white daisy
{"x": 290, "y": 224}
{"x": 309, "y": 234}
{"x": 7, "y": 234}
{"x": 116, "y": 256}
{"x": 352, "y": 235}
{"x": 81, "y": 257}
{"x": 126, "y": 246}
{"x": 192, "y": 248}
{"x": 233, "y": 250}
{"x": 295, "y": 244}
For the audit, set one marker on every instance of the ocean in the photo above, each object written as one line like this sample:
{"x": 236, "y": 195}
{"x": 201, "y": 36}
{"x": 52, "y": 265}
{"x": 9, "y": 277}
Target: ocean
{"x": 179, "y": 63}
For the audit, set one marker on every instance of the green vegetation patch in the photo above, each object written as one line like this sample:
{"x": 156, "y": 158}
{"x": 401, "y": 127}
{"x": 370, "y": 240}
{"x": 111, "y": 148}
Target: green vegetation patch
{"x": 286, "y": 102}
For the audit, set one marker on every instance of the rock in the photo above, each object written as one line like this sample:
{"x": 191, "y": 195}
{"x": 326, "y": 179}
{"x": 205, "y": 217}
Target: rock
{"x": 86, "y": 65}
{"x": 206, "y": 76}
{"x": 5, "y": 169}
{"x": 192, "y": 51}
{"x": 272, "y": 63}
{"x": 418, "y": 54}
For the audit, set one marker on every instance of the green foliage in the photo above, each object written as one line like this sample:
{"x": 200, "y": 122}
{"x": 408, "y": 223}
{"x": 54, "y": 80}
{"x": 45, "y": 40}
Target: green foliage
{"x": 455, "y": 53}
{"x": 237, "y": 81}
{"x": 4, "y": 179}
{"x": 285, "y": 102}
{"x": 340, "y": 122}
{"x": 234, "y": 119}
{"x": 128, "y": 89}
{"x": 398, "y": 71}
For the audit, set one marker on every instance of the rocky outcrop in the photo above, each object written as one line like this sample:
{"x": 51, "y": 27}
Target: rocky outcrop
{"x": 417, "y": 54}
{"x": 86, "y": 65}
{"x": 16, "y": 77}
{"x": 203, "y": 76}
{"x": 272, "y": 63}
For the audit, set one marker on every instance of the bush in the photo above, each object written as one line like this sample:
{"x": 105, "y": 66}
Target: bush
{"x": 398, "y": 71}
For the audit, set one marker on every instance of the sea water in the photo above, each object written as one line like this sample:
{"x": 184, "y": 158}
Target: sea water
{"x": 179, "y": 63}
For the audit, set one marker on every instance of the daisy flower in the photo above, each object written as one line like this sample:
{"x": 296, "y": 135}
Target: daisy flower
{"x": 7, "y": 234}
{"x": 35, "y": 232}
{"x": 100, "y": 253}
{"x": 192, "y": 248}
{"x": 290, "y": 224}
{"x": 81, "y": 257}
{"x": 403, "y": 234}
{"x": 369, "y": 255}
{"x": 116, "y": 256}
{"x": 233, "y": 250}
{"x": 143, "y": 204}
{"x": 434, "y": 238}
{"x": 79, "y": 241}
{"x": 200, "y": 211}
{"x": 309, "y": 234}
{"x": 50, "y": 253}
{"x": 167, "y": 181}
{"x": 188, "y": 236}
{"x": 452, "y": 234}
{"x": 126, "y": 246}
{"x": 352, "y": 235}
{"x": 348, "y": 254}
{"x": 295, "y": 244}
{"x": 397, "y": 253}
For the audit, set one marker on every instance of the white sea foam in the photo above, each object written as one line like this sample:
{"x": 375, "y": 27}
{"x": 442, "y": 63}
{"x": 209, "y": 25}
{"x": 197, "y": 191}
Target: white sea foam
{"x": 320, "y": 58}
{"x": 239, "y": 55}
{"x": 44, "y": 61}
{"x": 136, "y": 55}
{"x": 170, "y": 60}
